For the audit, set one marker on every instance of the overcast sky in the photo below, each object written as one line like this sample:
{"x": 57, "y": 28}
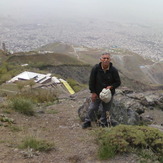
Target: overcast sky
{"x": 124, "y": 10}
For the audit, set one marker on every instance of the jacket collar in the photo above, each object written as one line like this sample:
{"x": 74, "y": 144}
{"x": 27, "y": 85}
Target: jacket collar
{"x": 100, "y": 66}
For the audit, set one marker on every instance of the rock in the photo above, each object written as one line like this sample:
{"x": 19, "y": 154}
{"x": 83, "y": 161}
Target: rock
{"x": 82, "y": 111}
{"x": 124, "y": 115}
{"x": 130, "y": 102}
{"x": 147, "y": 119}
{"x": 151, "y": 100}
{"x": 119, "y": 114}
{"x": 128, "y": 106}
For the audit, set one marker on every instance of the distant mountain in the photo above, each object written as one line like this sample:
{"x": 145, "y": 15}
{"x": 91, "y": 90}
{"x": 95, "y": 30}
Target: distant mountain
{"x": 75, "y": 62}
{"x": 57, "y": 47}
{"x": 154, "y": 72}
{"x": 128, "y": 63}
{"x": 43, "y": 58}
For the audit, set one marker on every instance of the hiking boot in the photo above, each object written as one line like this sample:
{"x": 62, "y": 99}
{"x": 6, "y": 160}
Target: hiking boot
{"x": 86, "y": 125}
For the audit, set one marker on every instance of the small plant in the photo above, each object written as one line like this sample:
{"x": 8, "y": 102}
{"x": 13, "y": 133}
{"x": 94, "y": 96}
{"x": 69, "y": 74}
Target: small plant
{"x": 4, "y": 78}
{"x": 76, "y": 86}
{"x": 36, "y": 144}
{"x": 21, "y": 85}
{"x": 106, "y": 151}
{"x": 123, "y": 138}
{"x": 4, "y": 106}
{"x": 7, "y": 71}
{"x": 31, "y": 83}
{"x": 43, "y": 95}
{"x": 22, "y": 105}
{"x": 51, "y": 112}
{"x": 51, "y": 103}
{"x": 40, "y": 95}
{"x": 15, "y": 128}
{"x": 147, "y": 155}
{"x": 4, "y": 118}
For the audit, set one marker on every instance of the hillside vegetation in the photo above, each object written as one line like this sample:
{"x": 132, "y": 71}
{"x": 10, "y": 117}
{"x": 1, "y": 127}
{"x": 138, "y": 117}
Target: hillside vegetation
{"x": 56, "y": 47}
{"x": 134, "y": 66}
{"x": 42, "y": 125}
{"x": 44, "y": 59}
{"x": 70, "y": 61}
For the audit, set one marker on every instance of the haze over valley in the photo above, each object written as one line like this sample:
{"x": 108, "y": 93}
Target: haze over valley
{"x": 47, "y": 51}
{"x": 143, "y": 39}
{"x": 136, "y": 25}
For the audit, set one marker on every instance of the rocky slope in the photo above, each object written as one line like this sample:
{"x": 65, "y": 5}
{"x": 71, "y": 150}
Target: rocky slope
{"x": 60, "y": 124}
{"x": 132, "y": 108}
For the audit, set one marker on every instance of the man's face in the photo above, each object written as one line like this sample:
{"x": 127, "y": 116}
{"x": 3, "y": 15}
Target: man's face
{"x": 105, "y": 60}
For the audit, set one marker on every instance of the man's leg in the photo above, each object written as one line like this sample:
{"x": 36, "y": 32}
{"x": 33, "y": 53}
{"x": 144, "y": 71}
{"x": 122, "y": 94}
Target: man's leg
{"x": 106, "y": 107}
{"x": 92, "y": 110}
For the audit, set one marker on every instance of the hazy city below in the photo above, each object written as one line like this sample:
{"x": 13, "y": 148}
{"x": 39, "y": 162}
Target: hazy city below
{"x": 27, "y": 25}
{"x": 143, "y": 39}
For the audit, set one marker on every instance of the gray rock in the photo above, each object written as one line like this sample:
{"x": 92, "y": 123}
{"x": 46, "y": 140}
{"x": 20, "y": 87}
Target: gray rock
{"x": 128, "y": 106}
{"x": 83, "y": 109}
{"x": 119, "y": 114}
{"x": 124, "y": 115}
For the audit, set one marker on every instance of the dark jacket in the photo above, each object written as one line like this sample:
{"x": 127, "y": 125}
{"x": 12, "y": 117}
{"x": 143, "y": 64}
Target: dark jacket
{"x": 100, "y": 79}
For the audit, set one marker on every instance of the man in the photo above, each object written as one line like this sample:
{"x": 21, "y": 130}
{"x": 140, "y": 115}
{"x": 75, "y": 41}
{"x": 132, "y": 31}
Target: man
{"x": 103, "y": 75}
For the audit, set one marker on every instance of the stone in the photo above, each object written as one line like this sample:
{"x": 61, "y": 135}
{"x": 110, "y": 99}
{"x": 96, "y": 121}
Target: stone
{"x": 128, "y": 107}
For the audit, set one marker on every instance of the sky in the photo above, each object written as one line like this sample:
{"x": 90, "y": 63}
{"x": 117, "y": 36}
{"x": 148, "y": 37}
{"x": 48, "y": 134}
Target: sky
{"x": 120, "y": 10}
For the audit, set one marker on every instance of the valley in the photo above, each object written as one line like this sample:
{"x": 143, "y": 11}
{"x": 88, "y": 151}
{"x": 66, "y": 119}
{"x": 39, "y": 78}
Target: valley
{"x": 145, "y": 40}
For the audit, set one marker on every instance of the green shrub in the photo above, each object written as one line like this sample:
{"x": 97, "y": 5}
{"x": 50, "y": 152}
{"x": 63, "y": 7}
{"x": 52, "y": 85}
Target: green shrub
{"x": 76, "y": 86}
{"x": 21, "y": 85}
{"x": 31, "y": 83}
{"x": 22, "y": 105}
{"x": 43, "y": 95}
{"x": 4, "y": 78}
{"x": 40, "y": 65}
{"x": 40, "y": 95}
{"x": 106, "y": 151}
{"x": 7, "y": 71}
{"x": 147, "y": 155}
{"x": 36, "y": 144}
{"x": 15, "y": 128}
{"x": 4, "y": 118}
{"x": 123, "y": 138}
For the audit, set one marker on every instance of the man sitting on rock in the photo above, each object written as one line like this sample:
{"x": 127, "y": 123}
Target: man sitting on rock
{"x": 103, "y": 75}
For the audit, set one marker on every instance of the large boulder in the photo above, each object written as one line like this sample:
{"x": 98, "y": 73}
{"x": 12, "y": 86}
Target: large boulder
{"x": 128, "y": 106}
{"x": 118, "y": 114}
{"x": 123, "y": 115}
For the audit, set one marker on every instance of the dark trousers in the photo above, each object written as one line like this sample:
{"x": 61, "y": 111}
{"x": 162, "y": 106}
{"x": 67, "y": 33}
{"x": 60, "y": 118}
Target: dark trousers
{"x": 93, "y": 109}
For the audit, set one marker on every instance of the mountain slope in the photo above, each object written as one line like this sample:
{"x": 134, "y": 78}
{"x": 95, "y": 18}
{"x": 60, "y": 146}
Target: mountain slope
{"x": 136, "y": 72}
{"x": 129, "y": 63}
{"x": 44, "y": 58}
{"x": 154, "y": 72}
{"x": 57, "y": 47}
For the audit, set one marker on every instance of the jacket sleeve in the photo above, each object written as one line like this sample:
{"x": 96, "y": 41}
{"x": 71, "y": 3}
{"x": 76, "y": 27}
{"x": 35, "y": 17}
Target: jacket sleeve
{"x": 117, "y": 80}
{"x": 92, "y": 80}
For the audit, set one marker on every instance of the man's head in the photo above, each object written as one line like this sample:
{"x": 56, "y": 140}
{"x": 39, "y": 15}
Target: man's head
{"x": 105, "y": 60}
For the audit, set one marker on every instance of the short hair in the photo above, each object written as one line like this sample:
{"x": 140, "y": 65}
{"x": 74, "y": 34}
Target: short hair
{"x": 106, "y": 53}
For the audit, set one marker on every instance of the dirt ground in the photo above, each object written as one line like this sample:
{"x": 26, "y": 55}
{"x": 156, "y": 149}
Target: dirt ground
{"x": 59, "y": 124}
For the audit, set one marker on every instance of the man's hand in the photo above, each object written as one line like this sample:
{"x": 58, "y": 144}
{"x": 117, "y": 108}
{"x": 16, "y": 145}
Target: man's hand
{"x": 109, "y": 87}
{"x": 94, "y": 96}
